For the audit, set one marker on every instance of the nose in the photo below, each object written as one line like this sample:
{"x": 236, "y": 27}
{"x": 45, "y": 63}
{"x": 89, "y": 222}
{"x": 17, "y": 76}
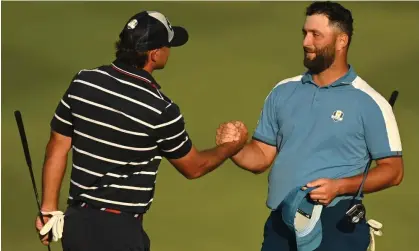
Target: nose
{"x": 307, "y": 42}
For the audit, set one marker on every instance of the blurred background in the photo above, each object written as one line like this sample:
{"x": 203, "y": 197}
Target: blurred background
{"x": 237, "y": 52}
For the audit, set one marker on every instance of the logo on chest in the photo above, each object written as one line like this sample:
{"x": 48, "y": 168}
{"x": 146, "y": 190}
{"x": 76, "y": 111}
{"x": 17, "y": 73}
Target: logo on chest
{"x": 337, "y": 116}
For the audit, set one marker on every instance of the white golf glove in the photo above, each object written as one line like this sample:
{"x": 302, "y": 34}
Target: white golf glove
{"x": 55, "y": 223}
{"x": 375, "y": 229}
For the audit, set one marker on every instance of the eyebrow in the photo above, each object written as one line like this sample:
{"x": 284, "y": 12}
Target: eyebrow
{"x": 310, "y": 30}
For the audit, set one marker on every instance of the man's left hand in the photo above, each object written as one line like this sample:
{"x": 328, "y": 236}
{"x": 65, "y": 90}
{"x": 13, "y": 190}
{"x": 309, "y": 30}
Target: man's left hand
{"x": 327, "y": 190}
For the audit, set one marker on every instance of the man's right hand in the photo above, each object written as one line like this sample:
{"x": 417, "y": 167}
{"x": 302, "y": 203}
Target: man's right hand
{"x": 254, "y": 156}
{"x": 230, "y": 139}
{"x": 234, "y": 133}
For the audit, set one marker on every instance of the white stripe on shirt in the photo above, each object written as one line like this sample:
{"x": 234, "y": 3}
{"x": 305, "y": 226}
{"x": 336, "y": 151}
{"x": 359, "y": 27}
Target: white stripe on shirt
{"x": 124, "y": 114}
{"x": 172, "y": 137}
{"x": 87, "y": 171}
{"x": 116, "y": 202}
{"x": 106, "y": 159}
{"x": 131, "y": 187}
{"x": 108, "y": 125}
{"x": 386, "y": 109}
{"x": 114, "y": 144}
{"x": 125, "y": 82}
{"x": 64, "y": 103}
{"x": 118, "y": 95}
{"x": 81, "y": 186}
{"x": 168, "y": 123}
{"x": 62, "y": 120}
{"x": 177, "y": 147}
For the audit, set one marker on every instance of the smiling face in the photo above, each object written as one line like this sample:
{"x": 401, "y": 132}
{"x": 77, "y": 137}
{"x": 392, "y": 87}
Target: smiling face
{"x": 323, "y": 43}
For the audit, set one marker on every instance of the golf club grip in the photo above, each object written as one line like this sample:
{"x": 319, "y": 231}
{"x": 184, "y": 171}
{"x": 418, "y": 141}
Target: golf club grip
{"x": 393, "y": 98}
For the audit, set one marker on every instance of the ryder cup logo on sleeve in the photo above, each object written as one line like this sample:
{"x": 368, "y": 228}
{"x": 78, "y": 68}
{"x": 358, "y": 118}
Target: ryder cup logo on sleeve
{"x": 302, "y": 216}
{"x": 337, "y": 116}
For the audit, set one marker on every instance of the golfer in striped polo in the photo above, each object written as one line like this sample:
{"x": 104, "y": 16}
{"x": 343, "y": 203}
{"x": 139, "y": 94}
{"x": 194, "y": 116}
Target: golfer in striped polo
{"x": 119, "y": 125}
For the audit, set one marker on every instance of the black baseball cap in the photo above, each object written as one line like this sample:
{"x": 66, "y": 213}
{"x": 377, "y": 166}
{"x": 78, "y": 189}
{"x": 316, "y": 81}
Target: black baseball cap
{"x": 149, "y": 30}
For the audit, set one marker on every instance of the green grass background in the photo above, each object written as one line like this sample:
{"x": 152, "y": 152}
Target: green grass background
{"x": 237, "y": 52}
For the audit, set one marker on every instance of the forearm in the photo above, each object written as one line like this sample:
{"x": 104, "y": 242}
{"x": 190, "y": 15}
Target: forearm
{"x": 379, "y": 178}
{"x": 212, "y": 158}
{"x": 52, "y": 176}
{"x": 251, "y": 158}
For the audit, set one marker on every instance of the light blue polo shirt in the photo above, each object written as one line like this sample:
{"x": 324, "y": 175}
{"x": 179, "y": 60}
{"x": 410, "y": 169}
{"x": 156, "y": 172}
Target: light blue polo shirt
{"x": 324, "y": 132}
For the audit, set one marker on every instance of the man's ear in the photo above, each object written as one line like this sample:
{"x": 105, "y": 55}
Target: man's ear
{"x": 342, "y": 41}
{"x": 153, "y": 55}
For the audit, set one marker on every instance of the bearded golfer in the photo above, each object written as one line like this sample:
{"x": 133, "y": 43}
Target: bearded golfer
{"x": 319, "y": 130}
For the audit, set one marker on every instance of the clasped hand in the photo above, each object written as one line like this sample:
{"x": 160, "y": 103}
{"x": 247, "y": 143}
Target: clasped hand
{"x": 232, "y": 132}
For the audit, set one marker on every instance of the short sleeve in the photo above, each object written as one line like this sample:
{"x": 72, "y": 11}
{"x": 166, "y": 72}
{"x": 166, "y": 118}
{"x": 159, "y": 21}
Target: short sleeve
{"x": 62, "y": 121}
{"x": 172, "y": 138}
{"x": 380, "y": 129}
{"x": 267, "y": 128}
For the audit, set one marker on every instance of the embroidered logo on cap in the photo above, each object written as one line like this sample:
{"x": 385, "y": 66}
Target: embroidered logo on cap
{"x": 132, "y": 24}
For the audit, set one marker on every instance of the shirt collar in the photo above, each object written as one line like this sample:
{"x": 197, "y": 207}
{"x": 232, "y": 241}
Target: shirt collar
{"x": 346, "y": 79}
{"x": 137, "y": 74}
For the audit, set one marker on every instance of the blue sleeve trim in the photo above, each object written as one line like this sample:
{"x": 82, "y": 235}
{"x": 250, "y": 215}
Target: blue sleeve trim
{"x": 376, "y": 156}
{"x": 259, "y": 137}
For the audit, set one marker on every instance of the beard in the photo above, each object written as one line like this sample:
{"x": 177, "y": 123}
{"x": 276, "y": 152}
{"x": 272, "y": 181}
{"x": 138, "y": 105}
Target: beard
{"x": 324, "y": 59}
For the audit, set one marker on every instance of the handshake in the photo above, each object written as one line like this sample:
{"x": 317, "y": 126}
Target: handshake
{"x": 232, "y": 133}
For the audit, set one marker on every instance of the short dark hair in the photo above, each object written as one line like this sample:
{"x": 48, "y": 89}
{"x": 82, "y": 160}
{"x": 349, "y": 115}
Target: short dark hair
{"x": 130, "y": 56}
{"x": 337, "y": 14}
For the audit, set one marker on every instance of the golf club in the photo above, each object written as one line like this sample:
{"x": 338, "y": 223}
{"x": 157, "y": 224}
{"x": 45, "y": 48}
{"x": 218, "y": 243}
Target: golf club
{"x": 24, "y": 140}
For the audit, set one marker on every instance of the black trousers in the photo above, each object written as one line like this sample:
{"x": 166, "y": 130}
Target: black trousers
{"x": 88, "y": 229}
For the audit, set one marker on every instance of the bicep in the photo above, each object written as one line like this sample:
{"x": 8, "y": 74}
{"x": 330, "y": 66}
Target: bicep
{"x": 59, "y": 145}
{"x": 395, "y": 161}
{"x": 393, "y": 167}
{"x": 268, "y": 151}
{"x": 187, "y": 162}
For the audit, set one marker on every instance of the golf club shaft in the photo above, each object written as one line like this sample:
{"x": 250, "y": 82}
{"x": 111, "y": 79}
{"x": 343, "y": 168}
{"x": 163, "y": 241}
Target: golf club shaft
{"x": 19, "y": 121}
